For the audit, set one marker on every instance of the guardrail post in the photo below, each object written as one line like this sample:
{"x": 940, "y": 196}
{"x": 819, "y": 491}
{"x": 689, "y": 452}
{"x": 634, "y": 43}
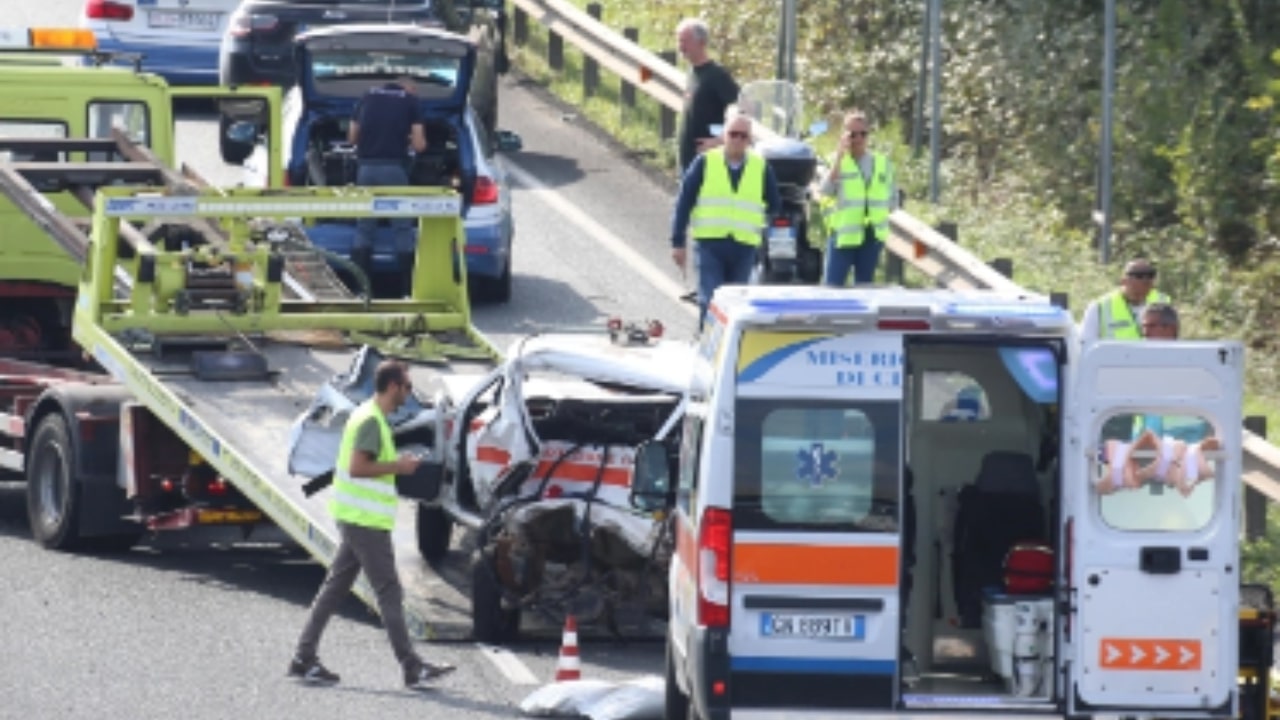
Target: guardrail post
{"x": 555, "y": 51}
{"x": 520, "y": 32}
{"x": 590, "y": 68}
{"x": 667, "y": 119}
{"x": 1255, "y": 503}
{"x": 629, "y": 90}
{"x": 1004, "y": 266}
{"x": 949, "y": 230}
{"x": 1060, "y": 299}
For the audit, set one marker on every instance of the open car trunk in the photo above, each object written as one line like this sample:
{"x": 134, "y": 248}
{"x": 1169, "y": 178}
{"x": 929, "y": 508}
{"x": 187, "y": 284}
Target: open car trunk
{"x": 331, "y": 160}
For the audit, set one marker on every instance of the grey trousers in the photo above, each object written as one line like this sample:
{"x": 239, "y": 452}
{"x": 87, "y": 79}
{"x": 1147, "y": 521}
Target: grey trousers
{"x": 367, "y": 549}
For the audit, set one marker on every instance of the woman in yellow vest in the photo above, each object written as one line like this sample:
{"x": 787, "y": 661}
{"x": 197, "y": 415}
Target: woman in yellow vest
{"x": 860, "y": 192}
{"x": 725, "y": 200}
{"x": 363, "y": 506}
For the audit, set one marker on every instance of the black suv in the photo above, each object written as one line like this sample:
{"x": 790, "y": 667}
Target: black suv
{"x": 258, "y": 47}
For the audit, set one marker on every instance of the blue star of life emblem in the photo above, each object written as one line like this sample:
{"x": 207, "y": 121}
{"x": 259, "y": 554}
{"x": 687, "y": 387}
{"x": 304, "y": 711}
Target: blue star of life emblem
{"x": 816, "y": 465}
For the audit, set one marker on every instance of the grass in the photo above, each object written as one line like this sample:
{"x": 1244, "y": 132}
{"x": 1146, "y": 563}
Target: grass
{"x": 1005, "y": 221}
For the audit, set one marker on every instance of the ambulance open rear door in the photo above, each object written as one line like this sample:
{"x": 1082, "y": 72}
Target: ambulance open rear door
{"x": 1152, "y": 471}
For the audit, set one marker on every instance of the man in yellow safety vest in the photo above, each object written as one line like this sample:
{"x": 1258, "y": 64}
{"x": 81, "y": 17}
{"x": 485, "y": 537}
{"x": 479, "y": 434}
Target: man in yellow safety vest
{"x": 364, "y": 507}
{"x": 859, "y": 190}
{"x": 725, "y": 200}
{"x": 1115, "y": 315}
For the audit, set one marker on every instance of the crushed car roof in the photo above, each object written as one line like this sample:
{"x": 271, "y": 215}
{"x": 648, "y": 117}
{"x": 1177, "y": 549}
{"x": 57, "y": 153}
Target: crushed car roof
{"x": 663, "y": 365}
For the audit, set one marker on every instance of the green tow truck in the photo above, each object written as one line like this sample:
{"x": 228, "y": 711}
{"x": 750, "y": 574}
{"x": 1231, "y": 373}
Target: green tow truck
{"x": 206, "y": 327}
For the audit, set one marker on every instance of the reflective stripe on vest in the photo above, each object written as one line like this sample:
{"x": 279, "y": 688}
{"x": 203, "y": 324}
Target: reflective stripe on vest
{"x": 368, "y": 502}
{"x": 721, "y": 211}
{"x": 1116, "y": 321}
{"x": 859, "y": 205}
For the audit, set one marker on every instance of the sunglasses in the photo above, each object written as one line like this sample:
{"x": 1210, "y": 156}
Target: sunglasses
{"x": 739, "y": 135}
{"x": 857, "y": 133}
{"x": 1142, "y": 275}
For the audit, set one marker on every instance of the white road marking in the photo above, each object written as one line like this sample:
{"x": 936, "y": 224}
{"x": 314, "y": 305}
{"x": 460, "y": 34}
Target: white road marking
{"x": 512, "y": 667}
{"x": 607, "y": 240}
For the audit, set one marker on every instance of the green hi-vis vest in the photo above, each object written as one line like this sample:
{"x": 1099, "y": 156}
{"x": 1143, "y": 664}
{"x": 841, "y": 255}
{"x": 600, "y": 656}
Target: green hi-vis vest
{"x": 368, "y": 502}
{"x": 722, "y": 212}
{"x": 860, "y": 205}
{"x": 1116, "y": 322}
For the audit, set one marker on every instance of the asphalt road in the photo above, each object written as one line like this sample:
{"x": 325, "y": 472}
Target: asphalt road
{"x": 202, "y": 627}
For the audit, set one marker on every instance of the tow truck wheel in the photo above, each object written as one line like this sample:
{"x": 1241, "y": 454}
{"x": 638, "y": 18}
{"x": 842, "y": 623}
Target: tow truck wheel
{"x": 435, "y": 530}
{"x": 490, "y": 622}
{"x": 676, "y": 703}
{"x": 53, "y": 498}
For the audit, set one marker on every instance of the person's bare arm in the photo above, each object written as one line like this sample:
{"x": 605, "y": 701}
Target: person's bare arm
{"x": 353, "y": 132}
{"x": 417, "y": 137}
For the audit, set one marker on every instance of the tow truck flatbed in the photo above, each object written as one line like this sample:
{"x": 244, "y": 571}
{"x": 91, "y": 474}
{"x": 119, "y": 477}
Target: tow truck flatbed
{"x": 215, "y": 350}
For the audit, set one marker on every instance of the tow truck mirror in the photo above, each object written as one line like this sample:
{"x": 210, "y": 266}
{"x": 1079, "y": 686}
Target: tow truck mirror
{"x": 243, "y": 132}
{"x": 651, "y": 486}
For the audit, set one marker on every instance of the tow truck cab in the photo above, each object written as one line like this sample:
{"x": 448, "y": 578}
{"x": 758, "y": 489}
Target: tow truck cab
{"x": 42, "y": 97}
{"x": 917, "y": 502}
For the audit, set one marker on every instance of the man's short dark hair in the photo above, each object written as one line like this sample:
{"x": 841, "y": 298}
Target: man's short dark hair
{"x": 388, "y": 372}
{"x": 1164, "y": 312}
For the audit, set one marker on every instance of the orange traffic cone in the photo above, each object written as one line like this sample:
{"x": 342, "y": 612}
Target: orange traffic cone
{"x": 569, "y": 666}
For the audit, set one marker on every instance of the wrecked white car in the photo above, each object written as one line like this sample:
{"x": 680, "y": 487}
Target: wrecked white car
{"x": 537, "y": 457}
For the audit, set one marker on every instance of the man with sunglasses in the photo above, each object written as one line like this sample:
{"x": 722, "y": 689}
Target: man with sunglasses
{"x": 709, "y": 91}
{"x": 724, "y": 201}
{"x": 859, "y": 190}
{"x": 364, "y": 507}
{"x": 1114, "y": 316}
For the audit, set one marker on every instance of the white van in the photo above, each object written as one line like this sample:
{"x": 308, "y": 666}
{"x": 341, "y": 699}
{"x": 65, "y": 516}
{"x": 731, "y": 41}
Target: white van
{"x": 869, "y": 478}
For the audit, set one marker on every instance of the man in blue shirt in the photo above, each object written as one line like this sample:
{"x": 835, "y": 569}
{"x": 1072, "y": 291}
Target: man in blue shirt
{"x": 726, "y": 258}
{"x": 386, "y": 123}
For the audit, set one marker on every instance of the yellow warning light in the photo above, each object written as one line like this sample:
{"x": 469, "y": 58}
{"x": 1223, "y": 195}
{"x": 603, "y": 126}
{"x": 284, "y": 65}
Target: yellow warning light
{"x": 63, "y": 39}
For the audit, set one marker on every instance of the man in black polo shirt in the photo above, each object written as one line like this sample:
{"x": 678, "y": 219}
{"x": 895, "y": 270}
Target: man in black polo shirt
{"x": 387, "y": 121}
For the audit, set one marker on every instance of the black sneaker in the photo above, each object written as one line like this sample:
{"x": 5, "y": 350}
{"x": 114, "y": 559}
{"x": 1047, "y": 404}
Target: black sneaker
{"x": 312, "y": 672}
{"x": 423, "y": 674}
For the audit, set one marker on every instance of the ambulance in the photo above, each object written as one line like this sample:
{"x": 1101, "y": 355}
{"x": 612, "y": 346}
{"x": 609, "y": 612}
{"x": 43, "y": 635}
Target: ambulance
{"x": 916, "y": 502}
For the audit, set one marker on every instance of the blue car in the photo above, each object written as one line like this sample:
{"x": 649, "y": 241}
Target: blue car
{"x": 176, "y": 39}
{"x": 336, "y": 65}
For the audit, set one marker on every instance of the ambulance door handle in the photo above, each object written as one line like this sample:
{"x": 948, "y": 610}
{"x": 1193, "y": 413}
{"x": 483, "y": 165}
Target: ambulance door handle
{"x": 1160, "y": 560}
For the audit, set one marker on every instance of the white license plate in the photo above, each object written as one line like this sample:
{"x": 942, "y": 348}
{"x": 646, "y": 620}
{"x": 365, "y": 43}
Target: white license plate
{"x": 184, "y": 20}
{"x": 782, "y": 242}
{"x": 823, "y": 627}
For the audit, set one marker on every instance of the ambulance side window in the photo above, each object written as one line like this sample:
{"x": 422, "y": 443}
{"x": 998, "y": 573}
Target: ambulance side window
{"x": 690, "y": 455}
{"x": 1158, "y": 476}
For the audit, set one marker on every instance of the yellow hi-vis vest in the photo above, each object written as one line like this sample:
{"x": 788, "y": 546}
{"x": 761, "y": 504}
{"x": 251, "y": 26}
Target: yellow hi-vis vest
{"x": 1116, "y": 322}
{"x": 721, "y": 212}
{"x": 860, "y": 205}
{"x": 368, "y": 502}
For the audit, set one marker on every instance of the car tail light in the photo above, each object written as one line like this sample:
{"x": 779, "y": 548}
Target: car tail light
{"x": 782, "y": 222}
{"x": 904, "y": 325}
{"x": 715, "y": 535}
{"x": 485, "y": 191}
{"x": 107, "y": 10}
{"x": 245, "y": 25}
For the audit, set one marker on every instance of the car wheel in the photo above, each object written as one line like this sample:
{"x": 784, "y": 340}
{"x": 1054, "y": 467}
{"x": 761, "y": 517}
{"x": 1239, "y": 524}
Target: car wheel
{"x": 233, "y": 153}
{"x": 494, "y": 290}
{"x": 435, "y": 530}
{"x": 490, "y": 622}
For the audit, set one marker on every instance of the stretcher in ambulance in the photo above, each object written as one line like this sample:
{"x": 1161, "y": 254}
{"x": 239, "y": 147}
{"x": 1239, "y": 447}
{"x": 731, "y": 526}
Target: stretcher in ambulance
{"x": 914, "y": 502}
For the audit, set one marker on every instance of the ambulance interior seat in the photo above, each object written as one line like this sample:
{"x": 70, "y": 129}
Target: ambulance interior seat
{"x": 1002, "y": 507}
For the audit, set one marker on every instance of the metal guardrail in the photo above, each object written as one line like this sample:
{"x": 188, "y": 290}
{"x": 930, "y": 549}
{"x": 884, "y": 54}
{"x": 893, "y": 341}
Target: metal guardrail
{"x": 911, "y": 239}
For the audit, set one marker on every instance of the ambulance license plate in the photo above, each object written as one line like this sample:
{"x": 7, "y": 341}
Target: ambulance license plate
{"x": 822, "y": 627}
